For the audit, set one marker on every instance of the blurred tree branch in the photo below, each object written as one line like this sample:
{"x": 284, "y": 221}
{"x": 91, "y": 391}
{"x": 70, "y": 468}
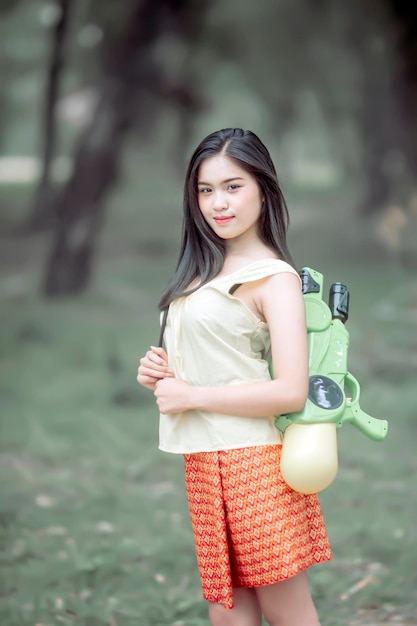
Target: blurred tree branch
{"x": 5, "y": 70}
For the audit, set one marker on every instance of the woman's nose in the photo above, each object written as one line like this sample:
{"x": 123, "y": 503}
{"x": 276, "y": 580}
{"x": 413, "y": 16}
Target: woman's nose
{"x": 220, "y": 202}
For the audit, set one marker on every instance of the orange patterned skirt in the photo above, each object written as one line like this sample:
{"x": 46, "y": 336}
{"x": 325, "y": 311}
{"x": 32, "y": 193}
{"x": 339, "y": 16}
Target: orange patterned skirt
{"x": 250, "y": 528}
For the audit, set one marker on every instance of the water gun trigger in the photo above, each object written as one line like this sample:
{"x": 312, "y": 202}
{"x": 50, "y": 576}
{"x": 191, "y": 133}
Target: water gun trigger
{"x": 375, "y": 429}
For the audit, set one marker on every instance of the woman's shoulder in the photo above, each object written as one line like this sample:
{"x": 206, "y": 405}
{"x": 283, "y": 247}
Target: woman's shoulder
{"x": 260, "y": 268}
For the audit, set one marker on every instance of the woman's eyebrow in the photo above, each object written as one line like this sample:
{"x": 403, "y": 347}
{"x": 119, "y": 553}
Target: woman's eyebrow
{"x": 227, "y": 180}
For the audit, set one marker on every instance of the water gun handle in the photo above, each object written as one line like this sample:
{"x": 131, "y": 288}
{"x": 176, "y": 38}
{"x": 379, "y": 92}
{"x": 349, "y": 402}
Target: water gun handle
{"x": 374, "y": 428}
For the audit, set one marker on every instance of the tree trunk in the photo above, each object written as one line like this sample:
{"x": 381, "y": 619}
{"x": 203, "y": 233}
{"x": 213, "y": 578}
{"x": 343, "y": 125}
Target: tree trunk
{"x": 41, "y": 213}
{"x": 387, "y": 114}
{"x": 81, "y": 205}
{"x": 405, "y": 82}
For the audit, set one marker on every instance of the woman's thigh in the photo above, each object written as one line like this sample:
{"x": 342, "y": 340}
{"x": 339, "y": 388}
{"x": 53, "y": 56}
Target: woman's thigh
{"x": 246, "y": 610}
{"x": 288, "y": 603}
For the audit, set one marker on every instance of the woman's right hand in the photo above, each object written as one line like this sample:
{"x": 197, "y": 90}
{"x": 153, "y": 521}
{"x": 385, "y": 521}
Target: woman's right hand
{"x": 153, "y": 367}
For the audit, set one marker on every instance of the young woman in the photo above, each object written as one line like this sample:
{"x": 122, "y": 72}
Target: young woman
{"x": 234, "y": 300}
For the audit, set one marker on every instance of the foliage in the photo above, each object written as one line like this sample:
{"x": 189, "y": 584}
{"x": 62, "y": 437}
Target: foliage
{"x": 341, "y": 86}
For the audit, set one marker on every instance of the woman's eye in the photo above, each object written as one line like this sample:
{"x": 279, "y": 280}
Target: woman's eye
{"x": 204, "y": 190}
{"x": 233, "y": 187}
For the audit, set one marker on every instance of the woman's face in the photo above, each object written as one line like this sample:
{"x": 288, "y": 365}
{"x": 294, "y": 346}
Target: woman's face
{"x": 229, "y": 199}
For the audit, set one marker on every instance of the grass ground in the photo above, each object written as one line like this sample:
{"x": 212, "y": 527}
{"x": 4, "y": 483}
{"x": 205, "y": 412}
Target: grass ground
{"x": 94, "y": 524}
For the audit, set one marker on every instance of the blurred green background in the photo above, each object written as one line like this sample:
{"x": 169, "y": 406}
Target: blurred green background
{"x": 101, "y": 105}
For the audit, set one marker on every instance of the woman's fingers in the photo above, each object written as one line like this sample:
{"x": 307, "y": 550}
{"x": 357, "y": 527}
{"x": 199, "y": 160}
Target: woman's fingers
{"x": 153, "y": 372}
{"x": 160, "y": 353}
{"x": 153, "y": 366}
{"x": 153, "y": 360}
{"x": 147, "y": 381}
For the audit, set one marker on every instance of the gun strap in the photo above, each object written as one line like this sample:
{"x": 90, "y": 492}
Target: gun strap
{"x": 161, "y": 334}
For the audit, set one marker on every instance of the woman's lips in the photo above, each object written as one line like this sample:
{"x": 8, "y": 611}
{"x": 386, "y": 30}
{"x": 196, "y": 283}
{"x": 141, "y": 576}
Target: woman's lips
{"x": 223, "y": 220}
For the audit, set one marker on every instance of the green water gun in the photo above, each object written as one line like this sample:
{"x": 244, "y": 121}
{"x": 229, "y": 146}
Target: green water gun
{"x": 333, "y": 395}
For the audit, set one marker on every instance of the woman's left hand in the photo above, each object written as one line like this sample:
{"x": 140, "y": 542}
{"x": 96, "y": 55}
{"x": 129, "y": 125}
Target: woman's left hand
{"x": 173, "y": 395}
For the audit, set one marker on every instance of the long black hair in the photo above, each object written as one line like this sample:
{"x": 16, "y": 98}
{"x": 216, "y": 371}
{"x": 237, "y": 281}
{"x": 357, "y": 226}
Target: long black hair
{"x": 202, "y": 251}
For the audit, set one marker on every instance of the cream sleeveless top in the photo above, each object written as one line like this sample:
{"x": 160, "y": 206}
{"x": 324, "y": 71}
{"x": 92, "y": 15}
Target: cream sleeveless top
{"x": 213, "y": 339}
